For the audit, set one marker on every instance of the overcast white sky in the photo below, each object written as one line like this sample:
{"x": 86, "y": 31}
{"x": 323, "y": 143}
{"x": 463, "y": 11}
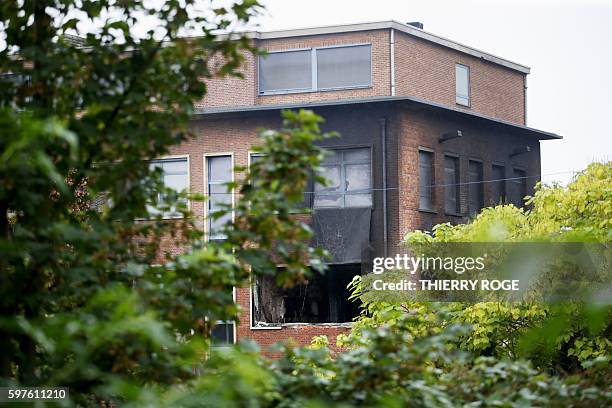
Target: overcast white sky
{"x": 567, "y": 44}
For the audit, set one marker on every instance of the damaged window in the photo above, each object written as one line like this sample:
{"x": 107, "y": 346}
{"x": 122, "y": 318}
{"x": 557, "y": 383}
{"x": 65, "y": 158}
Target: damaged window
{"x": 349, "y": 175}
{"x": 323, "y": 299}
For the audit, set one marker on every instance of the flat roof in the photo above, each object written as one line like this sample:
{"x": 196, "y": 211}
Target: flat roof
{"x": 389, "y": 24}
{"x": 540, "y": 134}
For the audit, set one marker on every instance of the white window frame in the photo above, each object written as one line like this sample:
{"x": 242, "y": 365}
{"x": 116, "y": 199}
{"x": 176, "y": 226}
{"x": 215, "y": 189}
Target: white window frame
{"x": 170, "y": 158}
{"x": 232, "y": 322}
{"x": 205, "y": 158}
{"x": 469, "y": 86}
{"x": 250, "y": 154}
{"x": 314, "y": 80}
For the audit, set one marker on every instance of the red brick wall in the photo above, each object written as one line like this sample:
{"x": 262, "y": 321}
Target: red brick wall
{"x": 381, "y": 71}
{"x": 236, "y": 135}
{"x": 427, "y": 70}
{"x": 410, "y": 128}
{"x": 422, "y": 69}
{"x": 231, "y": 91}
{"x": 419, "y": 128}
{"x": 298, "y": 334}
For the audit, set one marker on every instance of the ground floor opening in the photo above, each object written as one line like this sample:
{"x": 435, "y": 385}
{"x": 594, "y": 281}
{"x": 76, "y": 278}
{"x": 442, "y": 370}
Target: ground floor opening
{"x": 324, "y": 298}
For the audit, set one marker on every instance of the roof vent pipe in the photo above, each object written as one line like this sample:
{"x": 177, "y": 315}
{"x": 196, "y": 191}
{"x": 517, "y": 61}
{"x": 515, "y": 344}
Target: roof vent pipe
{"x": 416, "y": 24}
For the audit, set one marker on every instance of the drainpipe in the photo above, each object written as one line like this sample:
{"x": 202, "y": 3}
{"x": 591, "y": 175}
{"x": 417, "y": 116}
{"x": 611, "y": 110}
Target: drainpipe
{"x": 392, "y": 60}
{"x": 383, "y": 142}
{"x": 525, "y": 97}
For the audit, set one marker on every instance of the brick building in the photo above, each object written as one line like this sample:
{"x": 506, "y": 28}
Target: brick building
{"x": 431, "y": 131}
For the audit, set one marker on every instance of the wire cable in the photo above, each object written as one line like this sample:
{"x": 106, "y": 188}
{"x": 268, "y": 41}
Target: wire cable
{"x": 429, "y": 186}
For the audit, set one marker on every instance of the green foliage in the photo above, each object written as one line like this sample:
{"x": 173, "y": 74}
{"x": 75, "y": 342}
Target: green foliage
{"x": 89, "y": 301}
{"x": 88, "y": 298}
{"x": 101, "y": 319}
{"x": 388, "y": 366}
{"x": 564, "y": 336}
{"x": 579, "y": 212}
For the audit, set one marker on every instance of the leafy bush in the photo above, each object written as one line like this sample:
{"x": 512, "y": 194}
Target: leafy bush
{"x": 563, "y": 337}
{"x": 388, "y": 365}
{"x": 86, "y": 302}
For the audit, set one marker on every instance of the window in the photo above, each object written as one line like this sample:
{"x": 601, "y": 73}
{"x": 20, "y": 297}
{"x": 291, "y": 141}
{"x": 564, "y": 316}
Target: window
{"x": 254, "y": 158}
{"x": 519, "y": 184}
{"x": 175, "y": 175}
{"x": 223, "y": 334}
{"x": 462, "y": 84}
{"x": 343, "y": 67}
{"x": 219, "y": 173}
{"x": 285, "y": 71}
{"x": 426, "y": 180}
{"x": 315, "y": 69}
{"x": 498, "y": 185}
{"x": 475, "y": 187}
{"x": 323, "y": 299}
{"x": 451, "y": 185}
{"x": 349, "y": 176}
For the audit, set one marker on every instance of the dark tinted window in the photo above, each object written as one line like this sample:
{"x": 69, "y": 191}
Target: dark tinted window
{"x": 426, "y": 180}
{"x": 519, "y": 187}
{"x": 223, "y": 333}
{"x": 498, "y": 185}
{"x": 475, "y": 187}
{"x": 451, "y": 185}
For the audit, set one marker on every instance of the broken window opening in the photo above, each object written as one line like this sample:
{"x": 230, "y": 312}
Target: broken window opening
{"x": 323, "y": 299}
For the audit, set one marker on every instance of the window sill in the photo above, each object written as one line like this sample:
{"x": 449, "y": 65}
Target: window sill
{"x": 342, "y": 208}
{"x": 425, "y": 210}
{"x": 168, "y": 218}
{"x": 340, "y": 324}
{"x": 279, "y": 326}
{"x": 451, "y": 214}
{"x": 301, "y": 211}
{"x": 267, "y": 327}
{"x": 461, "y": 105}
{"x": 302, "y": 91}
